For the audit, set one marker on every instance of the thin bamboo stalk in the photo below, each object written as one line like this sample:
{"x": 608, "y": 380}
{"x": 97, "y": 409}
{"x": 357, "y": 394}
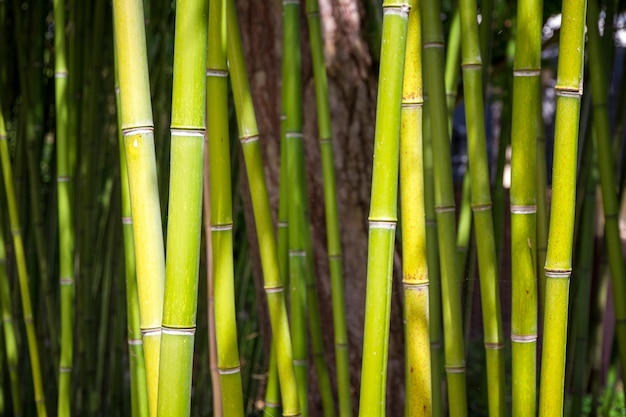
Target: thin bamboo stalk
{"x": 481, "y": 207}
{"x": 523, "y": 206}
{"x": 274, "y": 287}
{"x": 221, "y": 213}
{"x": 185, "y": 211}
{"x": 560, "y": 239}
{"x": 444, "y": 207}
{"x": 383, "y": 209}
{"x": 607, "y": 175}
{"x": 414, "y": 264}
{"x": 66, "y": 233}
{"x": 331, "y": 210}
{"x": 8, "y": 331}
{"x": 18, "y": 245}
{"x": 137, "y": 128}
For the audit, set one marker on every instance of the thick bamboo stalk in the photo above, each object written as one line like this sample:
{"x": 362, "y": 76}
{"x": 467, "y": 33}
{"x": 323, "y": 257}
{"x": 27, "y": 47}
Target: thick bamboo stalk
{"x": 66, "y": 232}
{"x": 444, "y": 207}
{"x": 526, "y": 103}
{"x": 414, "y": 257}
{"x": 221, "y": 213}
{"x": 274, "y": 286}
{"x": 184, "y": 210}
{"x": 560, "y": 239}
{"x": 20, "y": 258}
{"x": 138, "y": 130}
{"x": 331, "y": 210}
{"x": 607, "y": 175}
{"x": 383, "y": 209}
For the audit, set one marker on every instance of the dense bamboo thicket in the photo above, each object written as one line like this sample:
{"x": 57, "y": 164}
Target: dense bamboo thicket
{"x": 480, "y": 167}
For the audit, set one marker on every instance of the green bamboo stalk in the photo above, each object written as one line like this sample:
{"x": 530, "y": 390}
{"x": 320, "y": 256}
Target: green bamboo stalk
{"x": 330, "y": 205}
{"x": 383, "y": 209}
{"x": 221, "y": 213}
{"x": 607, "y": 176}
{"x": 66, "y": 233}
{"x": 434, "y": 291}
{"x": 272, "y": 388}
{"x": 414, "y": 264}
{"x": 185, "y": 212}
{"x": 137, "y": 128}
{"x": 274, "y": 287}
{"x": 445, "y": 207}
{"x": 18, "y": 245}
{"x": 292, "y": 130}
{"x": 8, "y": 330}
{"x": 481, "y": 207}
{"x": 542, "y": 206}
{"x": 138, "y": 393}
{"x": 453, "y": 64}
{"x": 523, "y": 206}
{"x": 560, "y": 239}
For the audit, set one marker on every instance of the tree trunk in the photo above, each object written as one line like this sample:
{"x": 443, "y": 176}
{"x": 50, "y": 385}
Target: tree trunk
{"x": 352, "y": 83}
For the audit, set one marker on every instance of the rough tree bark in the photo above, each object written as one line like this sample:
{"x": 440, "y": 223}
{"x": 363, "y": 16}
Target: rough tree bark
{"x": 352, "y": 87}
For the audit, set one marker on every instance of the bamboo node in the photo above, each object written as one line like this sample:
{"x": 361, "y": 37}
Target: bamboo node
{"x": 526, "y": 72}
{"x": 191, "y": 133}
{"x": 300, "y": 362}
{"x": 63, "y": 178}
{"x": 415, "y": 286}
{"x": 326, "y": 141}
{"x": 526, "y": 209}
{"x": 435, "y": 345}
{"x": 472, "y": 66}
{"x": 61, "y": 74}
{"x": 222, "y": 227}
{"x": 334, "y": 257}
{"x": 3, "y": 137}
{"x": 274, "y": 290}
{"x": 229, "y": 371}
{"x": 65, "y": 369}
{"x": 287, "y": 2}
{"x": 127, "y": 220}
{"x": 297, "y": 253}
{"x": 183, "y": 331}
{"x": 413, "y": 105}
{"x": 382, "y": 224}
{"x": 151, "y": 332}
{"x": 248, "y": 139}
{"x": 455, "y": 369}
{"x": 434, "y": 44}
{"x": 445, "y": 209}
{"x": 134, "y": 342}
{"x": 67, "y": 281}
{"x": 283, "y": 224}
{"x": 568, "y": 92}
{"x": 294, "y": 135}
{"x": 523, "y": 338}
{"x": 481, "y": 207}
{"x": 558, "y": 273}
{"x": 143, "y": 130}
{"x": 494, "y": 346}
{"x": 210, "y": 72}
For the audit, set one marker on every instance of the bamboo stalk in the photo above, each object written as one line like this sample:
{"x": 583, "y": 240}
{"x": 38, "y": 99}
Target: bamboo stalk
{"x": 607, "y": 176}
{"x": 558, "y": 260}
{"x": 221, "y": 213}
{"x": 414, "y": 264}
{"x": 274, "y": 287}
{"x": 444, "y": 207}
{"x": 523, "y": 206}
{"x": 137, "y": 128}
{"x": 383, "y": 209}
{"x": 18, "y": 245}
{"x": 331, "y": 210}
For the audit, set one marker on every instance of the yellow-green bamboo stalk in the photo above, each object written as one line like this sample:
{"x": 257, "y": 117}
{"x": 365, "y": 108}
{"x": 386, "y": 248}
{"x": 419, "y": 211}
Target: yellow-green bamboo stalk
{"x": 292, "y": 130}
{"x": 383, "y": 209}
{"x": 138, "y": 393}
{"x": 526, "y": 104}
{"x": 445, "y": 207}
{"x": 542, "y": 206}
{"x": 221, "y": 213}
{"x": 22, "y": 272}
{"x": 8, "y": 330}
{"x": 330, "y": 205}
{"x": 185, "y": 213}
{"x": 66, "y": 232}
{"x": 434, "y": 281}
{"x": 138, "y": 130}
{"x": 607, "y": 175}
{"x": 272, "y": 388}
{"x": 274, "y": 287}
{"x": 559, "y": 257}
{"x": 453, "y": 64}
{"x": 481, "y": 207}
{"x": 414, "y": 258}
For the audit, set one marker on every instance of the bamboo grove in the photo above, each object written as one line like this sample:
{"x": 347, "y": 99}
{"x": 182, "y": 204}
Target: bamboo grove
{"x": 161, "y": 254}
